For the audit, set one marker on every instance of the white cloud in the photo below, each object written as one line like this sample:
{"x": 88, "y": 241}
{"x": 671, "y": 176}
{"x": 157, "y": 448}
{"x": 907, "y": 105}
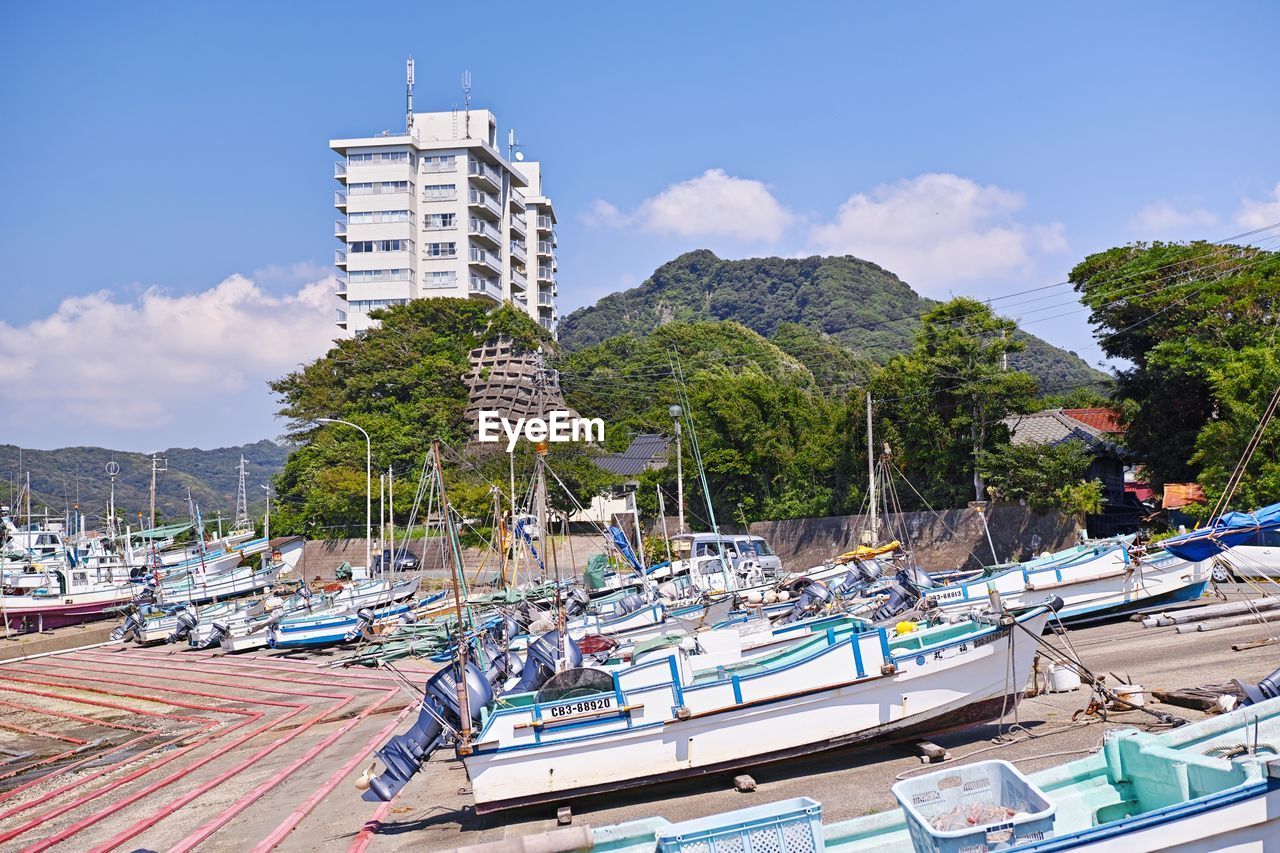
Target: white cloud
{"x": 104, "y": 363}
{"x": 938, "y": 229}
{"x": 1164, "y": 218}
{"x": 1259, "y": 214}
{"x": 714, "y": 204}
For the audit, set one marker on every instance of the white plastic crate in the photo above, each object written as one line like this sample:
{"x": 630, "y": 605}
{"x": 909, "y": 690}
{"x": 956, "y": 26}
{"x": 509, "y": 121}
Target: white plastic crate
{"x": 787, "y": 826}
{"x": 997, "y": 782}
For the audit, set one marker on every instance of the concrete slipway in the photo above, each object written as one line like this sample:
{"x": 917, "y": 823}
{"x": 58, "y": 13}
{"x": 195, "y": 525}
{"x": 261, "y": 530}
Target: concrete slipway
{"x": 109, "y": 748}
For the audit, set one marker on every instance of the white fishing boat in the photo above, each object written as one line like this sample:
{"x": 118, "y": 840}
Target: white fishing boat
{"x": 660, "y": 720}
{"x": 328, "y": 620}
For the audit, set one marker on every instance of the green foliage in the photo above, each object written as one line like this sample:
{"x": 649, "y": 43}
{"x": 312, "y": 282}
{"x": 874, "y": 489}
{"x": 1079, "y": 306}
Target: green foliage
{"x": 942, "y": 404}
{"x": 1180, "y": 314}
{"x": 1045, "y": 476}
{"x": 854, "y": 311}
{"x": 769, "y": 437}
{"x": 59, "y": 476}
{"x": 402, "y": 383}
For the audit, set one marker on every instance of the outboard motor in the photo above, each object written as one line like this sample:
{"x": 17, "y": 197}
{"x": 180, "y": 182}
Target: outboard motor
{"x": 630, "y": 604}
{"x": 1267, "y": 688}
{"x": 130, "y": 629}
{"x": 220, "y": 630}
{"x": 575, "y": 603}
{"x": 364, "y": 622}
{"x": 813, "y": 597}
{"x": 903, "y": 594}
{"x": 541, "y": 659}
{"x": 860, "y": 575}
{"x": 404, "y": 754}
{"x": 186, "y": 622}
{"x": 501, "y": 664}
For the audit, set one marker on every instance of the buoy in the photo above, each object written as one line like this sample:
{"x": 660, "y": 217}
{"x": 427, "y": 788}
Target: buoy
{"x": 905, "y": 627}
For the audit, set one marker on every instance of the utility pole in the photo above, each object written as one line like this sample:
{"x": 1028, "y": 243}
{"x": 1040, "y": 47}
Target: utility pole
{"x": 382, "y": 522}
{"x": 871, "y": 477}
{"x": 156, "y": 462}
{"x": 391, "y": 518}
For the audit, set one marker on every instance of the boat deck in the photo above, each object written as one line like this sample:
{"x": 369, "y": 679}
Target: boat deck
{"x": 163, "y": 748}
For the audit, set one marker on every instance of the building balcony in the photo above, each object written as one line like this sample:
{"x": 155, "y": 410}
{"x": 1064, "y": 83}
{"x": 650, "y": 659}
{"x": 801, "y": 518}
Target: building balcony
{"x": 517, "y": 251}
{"x": 547, "y": 274}
{"x": 546, "y": 299}
{"x": 340, "y": 258}
{"x": 340, "y": 200}
{"x": 340, "y": 228}
{"x": 519, "y": 281}
{"x": 341, "y": 288}
{"x": 518, "y": 224}
{"x": 437, "y": 168}
{"x": 484, "y": 203}
{"x": 342, "y": 319}
{"x": 546, "y": 248}
{"x": 482, "y": 230}
{"x": 451, "y": 195}
{"x": 521, "y": 302}
{"x": 484, "y": 174}
{"x": 340, "y": 171}
{"x": 483, "y": 287}
{"x": 517, "y": 198}
{"x": 547, "y": 323}
{"x": 486, "y": 260}
{"x": 546, "y": 223}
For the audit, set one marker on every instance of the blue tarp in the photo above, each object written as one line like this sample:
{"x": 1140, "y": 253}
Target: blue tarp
{"x": 1234, "y": 528}
{"x": 624, "y": 548}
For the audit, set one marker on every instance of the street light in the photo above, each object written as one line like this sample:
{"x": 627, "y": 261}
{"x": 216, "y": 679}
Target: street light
{"x": 676, "y": 412}
{"x": 368, "y": 490}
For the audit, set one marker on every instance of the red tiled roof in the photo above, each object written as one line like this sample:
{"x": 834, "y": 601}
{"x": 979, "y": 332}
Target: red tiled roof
{"x": 1101, "y": 419}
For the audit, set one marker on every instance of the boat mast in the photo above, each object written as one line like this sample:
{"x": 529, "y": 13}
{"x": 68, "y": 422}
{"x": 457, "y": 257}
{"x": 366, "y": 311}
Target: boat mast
{"x": 464, "y": 704}
{"x": 871, "y": 476}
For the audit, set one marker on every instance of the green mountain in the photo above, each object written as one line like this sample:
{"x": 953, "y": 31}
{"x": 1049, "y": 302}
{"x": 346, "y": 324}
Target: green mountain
{"x": 59, "y": 476}
{"x": 845, "y": 303}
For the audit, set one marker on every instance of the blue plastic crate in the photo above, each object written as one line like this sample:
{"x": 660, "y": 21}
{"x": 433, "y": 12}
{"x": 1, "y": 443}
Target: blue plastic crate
{"x": 999, "y": 782}
{"x": 787, "y": 826}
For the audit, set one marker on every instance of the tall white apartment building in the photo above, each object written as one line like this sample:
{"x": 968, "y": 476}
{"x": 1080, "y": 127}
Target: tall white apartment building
{"x": 438, "y": 211}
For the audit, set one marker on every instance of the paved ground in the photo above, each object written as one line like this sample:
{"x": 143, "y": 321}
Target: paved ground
{"x": 159, "y": 749}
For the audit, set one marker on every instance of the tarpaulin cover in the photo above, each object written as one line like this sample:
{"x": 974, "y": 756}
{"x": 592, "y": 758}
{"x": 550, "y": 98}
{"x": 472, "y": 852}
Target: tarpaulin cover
{"x": 1234, "y": 528}
{"x": 624, "y": 548}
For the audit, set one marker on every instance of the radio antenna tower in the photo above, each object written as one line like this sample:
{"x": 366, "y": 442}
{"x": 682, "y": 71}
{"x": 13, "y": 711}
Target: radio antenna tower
{"x": 466, "y": 99}
{"x": 242, "y": 503}
{"x": 408, "y": 97}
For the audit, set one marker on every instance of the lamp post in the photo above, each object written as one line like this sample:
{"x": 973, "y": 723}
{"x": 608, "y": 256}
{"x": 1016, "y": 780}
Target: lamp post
{"x": 676, "y": 412}
{"x": 368, "y": 489}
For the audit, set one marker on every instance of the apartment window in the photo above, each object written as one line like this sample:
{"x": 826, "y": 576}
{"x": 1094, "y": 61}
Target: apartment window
{"x": 439, "y": 192}
{"x": 439, "y": 220}
{"x": 367, "y": 305}
{"x": 440, "y": 278}
{"x": 380, "y": 158}
{"x": 378, "y": 216}
{"x": 381, "y": 246}
{"x": 440, "y": 250}
{"x": 376, "y": 187}
{"x": 439, "y": 162}
{"x": 368, "y": 276}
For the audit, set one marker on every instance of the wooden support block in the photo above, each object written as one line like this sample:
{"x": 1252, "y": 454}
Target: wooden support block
{"x": 744, "y": 784}
{"x": 564, "y": 815}
{"x": 931, "y": 753}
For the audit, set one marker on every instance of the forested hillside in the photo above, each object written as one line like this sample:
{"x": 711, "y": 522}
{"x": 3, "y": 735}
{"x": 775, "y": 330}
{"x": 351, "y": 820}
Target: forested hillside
{"x": 59, "y": 476}
{"x": 855, "y": 304}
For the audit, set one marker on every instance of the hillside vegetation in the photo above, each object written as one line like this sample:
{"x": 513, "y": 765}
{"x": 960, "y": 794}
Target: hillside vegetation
{"x": 850, "y": 303}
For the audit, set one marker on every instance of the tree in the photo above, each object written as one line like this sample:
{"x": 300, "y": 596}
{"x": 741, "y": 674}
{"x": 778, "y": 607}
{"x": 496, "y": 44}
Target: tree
{"x": 1045, "y": 476}
{"x": 1179, "y": 314}
{"x": 942, "y": 404}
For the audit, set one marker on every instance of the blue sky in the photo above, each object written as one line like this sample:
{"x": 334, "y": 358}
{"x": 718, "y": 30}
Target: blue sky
{"x": 175, "y": 156}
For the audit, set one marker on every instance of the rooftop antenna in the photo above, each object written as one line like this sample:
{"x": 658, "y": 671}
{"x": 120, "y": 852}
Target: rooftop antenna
{"x": 513, "y": 147}
{"x": 466, "y": 98}
{"x": 408, "y": 97}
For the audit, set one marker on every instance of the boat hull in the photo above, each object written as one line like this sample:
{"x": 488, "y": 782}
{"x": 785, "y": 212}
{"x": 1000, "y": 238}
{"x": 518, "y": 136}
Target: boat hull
{"x": 957, "y": 683}
{"x": 60, "y": 612}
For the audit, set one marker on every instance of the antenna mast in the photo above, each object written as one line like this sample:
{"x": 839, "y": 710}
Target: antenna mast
{"x": 242, "y": 502}
{"x": 156, "y": 462}
{"x": 408, "y": 97}
{"x": 466, "y": 98}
